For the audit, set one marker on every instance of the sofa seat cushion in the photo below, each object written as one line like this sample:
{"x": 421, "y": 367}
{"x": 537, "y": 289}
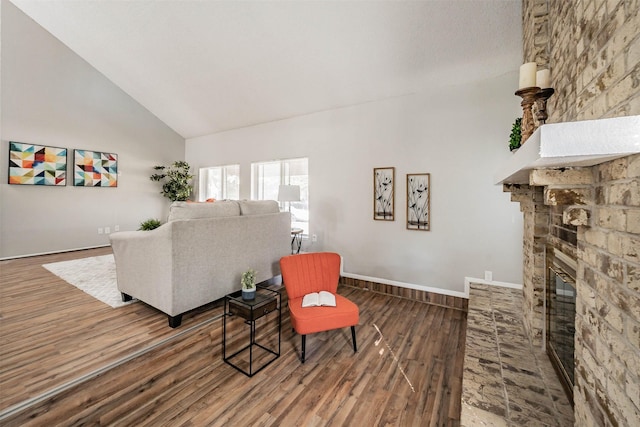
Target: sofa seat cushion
{"x": 184, "y": 210}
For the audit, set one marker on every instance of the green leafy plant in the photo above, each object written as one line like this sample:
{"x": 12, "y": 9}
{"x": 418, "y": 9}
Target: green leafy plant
{"x": 176, "y": 180}
{"x": 248, "y": 279}
{"x": 516, "y": 134}
{"x": 150, "y": 224}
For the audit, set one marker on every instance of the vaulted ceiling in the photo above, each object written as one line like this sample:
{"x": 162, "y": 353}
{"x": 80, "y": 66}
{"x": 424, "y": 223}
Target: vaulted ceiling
{"x": 207, "y": 66}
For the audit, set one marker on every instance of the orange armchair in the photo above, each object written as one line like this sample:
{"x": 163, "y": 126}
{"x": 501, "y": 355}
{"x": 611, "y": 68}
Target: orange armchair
{"x": 314, "y": 272}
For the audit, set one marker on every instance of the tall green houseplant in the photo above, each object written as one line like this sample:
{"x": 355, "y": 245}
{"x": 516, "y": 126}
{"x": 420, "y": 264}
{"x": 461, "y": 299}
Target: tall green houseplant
{"x": 176, "y": 180}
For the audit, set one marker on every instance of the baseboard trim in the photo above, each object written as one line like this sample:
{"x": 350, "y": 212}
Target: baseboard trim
{"x": 413, "y": 292}
{"x": 437, "y": 296}
{"x": 53, "y": 252}
{"x": 469, "y": 280}
{"x": 423, "y": 288}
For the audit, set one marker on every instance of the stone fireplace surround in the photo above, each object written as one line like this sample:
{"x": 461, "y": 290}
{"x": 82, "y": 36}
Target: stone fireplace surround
{"x": 590, "y": 170}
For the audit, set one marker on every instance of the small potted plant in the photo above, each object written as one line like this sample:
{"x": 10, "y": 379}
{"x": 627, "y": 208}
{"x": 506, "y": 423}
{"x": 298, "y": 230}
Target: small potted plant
{"x": 516, "y": 135}
{"x": 150, "y": 224}
{"x": 248, "y": 284}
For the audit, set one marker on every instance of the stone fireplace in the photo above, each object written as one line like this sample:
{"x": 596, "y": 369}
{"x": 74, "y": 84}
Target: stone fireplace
{"x": 578, "y": 185}
{"x": 592, "y": 49}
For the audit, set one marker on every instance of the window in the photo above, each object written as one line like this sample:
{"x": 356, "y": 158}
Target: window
{"x": 266, "y": 178}
{"x": 219, "y": 182}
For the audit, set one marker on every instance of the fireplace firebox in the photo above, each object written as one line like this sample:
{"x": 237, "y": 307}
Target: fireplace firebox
{"x": 561, "y": 314}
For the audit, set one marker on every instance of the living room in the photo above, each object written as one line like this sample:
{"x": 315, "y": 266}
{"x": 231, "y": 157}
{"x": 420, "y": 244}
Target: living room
{"x": 453, "y": 124}
{"x": 397, "y": 131}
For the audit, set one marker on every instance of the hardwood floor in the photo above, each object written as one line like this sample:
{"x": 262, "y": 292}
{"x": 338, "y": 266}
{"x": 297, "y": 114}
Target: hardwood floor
{"x": 409, "y": 373}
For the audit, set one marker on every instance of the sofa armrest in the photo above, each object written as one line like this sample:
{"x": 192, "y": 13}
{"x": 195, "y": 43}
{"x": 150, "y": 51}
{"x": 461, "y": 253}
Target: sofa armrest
{"x": 144, "y": 265}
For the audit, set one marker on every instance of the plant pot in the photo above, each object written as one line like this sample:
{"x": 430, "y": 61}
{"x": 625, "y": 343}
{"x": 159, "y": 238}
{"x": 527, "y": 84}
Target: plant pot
{"x": 249, "y": 294}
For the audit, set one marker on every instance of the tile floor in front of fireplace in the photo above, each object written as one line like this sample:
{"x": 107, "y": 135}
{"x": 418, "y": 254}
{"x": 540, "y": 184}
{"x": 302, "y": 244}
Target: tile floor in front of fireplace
{"x": 507, "y": 381}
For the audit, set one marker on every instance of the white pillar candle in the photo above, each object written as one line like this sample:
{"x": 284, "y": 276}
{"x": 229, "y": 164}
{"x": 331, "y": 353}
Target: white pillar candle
{"x": 527, "y": 75}
{"x": 543, "y": 79}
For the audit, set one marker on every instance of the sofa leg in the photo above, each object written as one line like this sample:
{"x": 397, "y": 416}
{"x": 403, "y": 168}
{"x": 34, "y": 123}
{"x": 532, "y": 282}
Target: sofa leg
{"x": 304, "y": 341}
{"x": 175, "y": 321}
{"x": 126, "y": 297}
{"x": 353, "y": 337}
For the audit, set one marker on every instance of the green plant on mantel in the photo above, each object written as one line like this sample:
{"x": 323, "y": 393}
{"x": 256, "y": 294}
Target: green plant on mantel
{"x": 516, "y": 134}
{"x": 150, "y": 224}
{"x": 176, "y": 180}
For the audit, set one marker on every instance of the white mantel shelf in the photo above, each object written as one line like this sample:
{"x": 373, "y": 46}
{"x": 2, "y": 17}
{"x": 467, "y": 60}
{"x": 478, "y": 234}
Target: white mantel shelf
{"x": 572, "y": 144}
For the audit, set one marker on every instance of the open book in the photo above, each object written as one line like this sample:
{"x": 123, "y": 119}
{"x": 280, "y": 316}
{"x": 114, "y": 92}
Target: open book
{"x": 318, "y": 299}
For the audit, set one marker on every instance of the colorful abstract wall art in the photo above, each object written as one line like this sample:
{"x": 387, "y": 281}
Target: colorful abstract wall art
{"x": 95, "y": 169}
{"x": 31, "y": 164}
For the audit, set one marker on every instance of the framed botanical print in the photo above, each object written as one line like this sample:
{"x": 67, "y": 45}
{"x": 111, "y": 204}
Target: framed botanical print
{"x": 383, "y": 194}
{"x": 418, "y": 201}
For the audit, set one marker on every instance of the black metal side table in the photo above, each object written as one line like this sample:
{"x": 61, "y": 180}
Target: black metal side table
{"x": 261, "y": 350}
{"x": 296, "y": 240}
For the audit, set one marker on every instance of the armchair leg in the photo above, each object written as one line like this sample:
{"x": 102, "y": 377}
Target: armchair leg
{"x": 353, "y": 337}
{"x": 126, "y": 297}
{"x": 304, "y": 341}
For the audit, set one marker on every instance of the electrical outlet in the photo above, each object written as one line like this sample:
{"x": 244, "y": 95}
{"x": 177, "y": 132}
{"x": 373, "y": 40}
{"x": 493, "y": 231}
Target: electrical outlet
{"x": 107, "y": 230}
{"x": 314, "y": 238}
{"x": 100, "y": 230}
{"x": 116, "y": 228}
{"x": 488, "y": 276}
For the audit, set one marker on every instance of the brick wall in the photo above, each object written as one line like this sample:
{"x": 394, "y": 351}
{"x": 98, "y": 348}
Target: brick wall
{"x": 593, "y": 50}
{"x": 535, "y": 15}
{"x": 536, "y": 228}
{"x": 607, "y": 390}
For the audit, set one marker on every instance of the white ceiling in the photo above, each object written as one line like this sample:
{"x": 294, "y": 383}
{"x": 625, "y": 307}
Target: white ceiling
{"x": 207, "y": 66}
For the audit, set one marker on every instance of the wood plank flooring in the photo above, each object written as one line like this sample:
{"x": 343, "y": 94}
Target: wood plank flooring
{"x": 409, "y": 374}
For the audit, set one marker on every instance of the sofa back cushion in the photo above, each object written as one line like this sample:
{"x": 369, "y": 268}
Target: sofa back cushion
{"x": 184, "y": 210}
{"x": 258, "y": 207}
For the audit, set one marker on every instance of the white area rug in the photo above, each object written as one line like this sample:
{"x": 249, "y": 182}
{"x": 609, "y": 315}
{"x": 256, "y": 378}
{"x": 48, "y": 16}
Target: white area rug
{"x": 95, "y": 275}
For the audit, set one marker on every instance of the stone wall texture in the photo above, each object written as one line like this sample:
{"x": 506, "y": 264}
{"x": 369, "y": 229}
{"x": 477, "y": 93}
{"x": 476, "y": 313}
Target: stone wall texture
{"x": 592, "y": 48}
{"x": 607, "y": 389}
{"x": 536, "y": 228}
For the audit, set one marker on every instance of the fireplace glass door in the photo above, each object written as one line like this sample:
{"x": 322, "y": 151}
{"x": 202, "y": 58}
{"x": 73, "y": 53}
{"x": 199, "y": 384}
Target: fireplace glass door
{"x": 561, "y": 314}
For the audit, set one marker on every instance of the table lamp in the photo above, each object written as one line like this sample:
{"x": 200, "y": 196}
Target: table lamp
{"x": 289, "y": 193}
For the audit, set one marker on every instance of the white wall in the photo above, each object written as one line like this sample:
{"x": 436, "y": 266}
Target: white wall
{"x": 50, "y": 96}
{"x": 458, "y": 134}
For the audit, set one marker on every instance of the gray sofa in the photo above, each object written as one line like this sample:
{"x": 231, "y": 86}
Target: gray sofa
{"x": 199, "y": 255}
